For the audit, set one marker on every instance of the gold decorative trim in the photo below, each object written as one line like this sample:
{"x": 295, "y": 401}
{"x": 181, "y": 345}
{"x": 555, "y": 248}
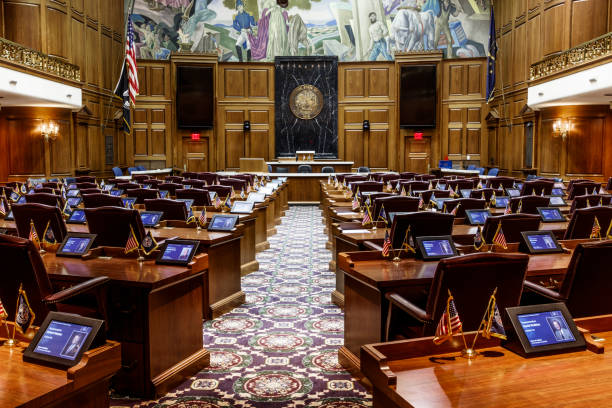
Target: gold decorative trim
{"x": 29, "y": 58}
{"x": 579, "y": 55}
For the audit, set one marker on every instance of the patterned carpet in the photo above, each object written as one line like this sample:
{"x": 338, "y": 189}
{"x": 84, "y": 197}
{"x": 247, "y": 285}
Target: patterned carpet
{"x": 280, "y": 348}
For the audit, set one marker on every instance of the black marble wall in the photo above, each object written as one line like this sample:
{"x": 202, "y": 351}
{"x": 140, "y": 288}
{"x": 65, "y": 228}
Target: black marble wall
{"x": 320, "y": 133}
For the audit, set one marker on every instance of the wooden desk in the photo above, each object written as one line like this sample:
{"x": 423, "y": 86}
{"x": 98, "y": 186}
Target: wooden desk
{"x": 339, "y": 166}
{"x": 368, "y": 277}
{"x": 416, "y": 373}
{"x": 86, "y": 385}
{"x": 155, "y": 311}
{"x": 348, "y": 242}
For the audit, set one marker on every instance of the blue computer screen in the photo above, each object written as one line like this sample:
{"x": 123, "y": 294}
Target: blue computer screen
{"x": 62, "y": 339}
{"x": 545, "y": 328}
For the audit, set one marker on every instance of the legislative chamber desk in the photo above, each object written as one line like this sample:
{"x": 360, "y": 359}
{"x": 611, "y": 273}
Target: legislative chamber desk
{"x": 154, "y": 311}
{"x": 347, "y": 241}
{"x": 368, "y": 277}
{"x": 416, "y": 373}
{"x": 28, "y": 385}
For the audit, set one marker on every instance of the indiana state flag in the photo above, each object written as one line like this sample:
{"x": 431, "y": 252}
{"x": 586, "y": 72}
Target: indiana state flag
{"x": 491, "y": 57}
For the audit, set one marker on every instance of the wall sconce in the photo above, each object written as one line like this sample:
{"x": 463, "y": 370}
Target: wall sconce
{"x": 561, "y": 127}
{"x": 49, "y": 130}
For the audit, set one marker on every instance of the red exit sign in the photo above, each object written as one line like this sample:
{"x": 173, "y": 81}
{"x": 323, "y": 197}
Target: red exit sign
{"x": 418, "y": 135}
{"x": 195, "y": 136}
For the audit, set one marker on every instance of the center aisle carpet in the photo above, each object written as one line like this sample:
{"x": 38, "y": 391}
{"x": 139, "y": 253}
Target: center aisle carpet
{"x": 280, "y": 348}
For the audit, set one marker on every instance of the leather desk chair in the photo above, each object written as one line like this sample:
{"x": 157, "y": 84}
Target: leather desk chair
{"x": 194, "y": 183}
{"x": 210, "y": 178}
{"x": 45, "y": 198}
{"x": 222, "y": 191}
{"x": 593, "y": 200}
{"x": 493, "y": 172}
{"x": 422, "y": 223}
{"x": 407, "y": 175}
{"x": 587, "y": 284}
{"x": 48, "y": 184}
{"x": 86, "y": 185}
{"x": 424, "y": 177}
{"x": 112, "y": 225}
{"x": 142, "y": 194}
{"x": 47, "y": 190}
{"x": 42, "y": 215}
{"x": 89, "y": 191}
{"x": 327, "y": 169}
{"x": 101, "y": 200}
{"x": 583, "y": 188}
{"x": 466, "y": 204}
{"x": 199, "y": 196}
{"x": 512, "y": 226}
{"x": 500, "y": 182}
{"x": 413, "y": 186}
{"x": 141, "y": 178}
{"x": 572, "y": 182}
{"x": 395, "y": 204}
{"x": 529, "y": 204}
{"x": 173, "y": 179}
{"x": 23, "y": 265}
{"x": 460, "y": 184}
{"x": 351, "y": 178}
{"x": 471, "y": 279}
{"x": 581, "y": 223}
{"x": 189, "y": 175}
{"x": 367, "y": 186}
{"x": 436, "y": 193}
{"x": 117, "y": 172}
{"x": 538, "y": 186}
{"x": 609, "y": 184}
{"x": 172, "y": 210}
{"x": 127, "y": 186}
{"x": 237, "y": 184}
{"x": 249, "y": 178}
{"x": 374, "y": 201}
{"x": 170, "y": 187}
{"x": 85, "y": 179}
{"x": 154, "y": 182}
{"x": 488, "y": 193}
{"x": 304, "y": 168}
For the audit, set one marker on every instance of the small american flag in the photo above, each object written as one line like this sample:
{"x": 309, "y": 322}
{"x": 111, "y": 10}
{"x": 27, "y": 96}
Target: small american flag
{"x": 421, "y": 202}
{"x": 217, "y": 201}
{"x": 2, "y": 207}
{"x": 386, "y": 245}
{"x": 403, "y": 193}
{"x": 34, "y": 235}
{"x": 355, "y": 204}
{"x": 132, "y": 243}
{"x": 596, "y": 230}
{"x": 451, "y": 192}
{"x": 202, "y": 218}
{"x": 500, "y": 239}
{"x": 508, "y": 209}
{"x": 449, "y": 324}
{"x": 130, "y": 58}
{"x": 3, "y": 314}
{"x": 454, "y": 210}
{"x": 242, "y": 193}
{"x": 366, "y": 217}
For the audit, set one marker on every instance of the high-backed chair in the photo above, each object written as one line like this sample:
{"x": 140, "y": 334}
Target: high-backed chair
{"x": 609, "y": 184}
{"x": 493, "y": 172}
{"x": 367, "y": 186}
{"x": 112, "y": 225}
{"x": 351, "y": 178}
{"x": 117, "y": 172}
{"x": 141, "y": 178}
{"x": 363, "y": 169}
{"x": 47, "y": 190}
{"x": 85, "y": 179}
{"x": 573, "y": 181}
{"x": 189, "y": 175}
{"x": 236, "y": 184}
{"x": 23, "y": 265}
{"x": 132, "y": 169}
{"x": 282, "y": 170}
{"x": 199, "y": 196}
{"x": 587, "y": 283}
{"x": 89, "y": 191}
{"x": 172, "y": 210}
{"x": 50, "y": 184}
{"x": 460, "y": 184}
{"x": 583, "y": 219}
{"x": 407, "y": 175}
{"x": 409, "y": 186}
{"x": 194, "y": 183}
{"x": 488, "y": 193}
{"x": 304, "y": 168}
{"x": 140, "y": 167}
{"x": 512, "y": 225}
{"x": 422, "y": 223}
{"x": 583, "y": 188}
{"x": 127, "y": 186}
{"x": 529, "y": 204}
{"x": 86, "y": 184}
{"x": 210, "y": 178}
{"x": 142, "y": 194}
{"x": 101, "y": 200}
{"x": 483, "y": 271}
{"x": 500, "y": 182}
{"x": 395, "y": 204}
{"x": 327, "y": 169}
{"x": 471, "y": 167}
{"x": 374, "y": 197}
{"x": 424, "y": 177}
{"x": 434, "y": 193}
{"x": 222, "y": 191}
{"x": 154, "y": 182}
{"x": 173, "y": 179}
{"x": 465, "y": 204}
{"x": 537, "y": 186}
{"x": 170, "y": 187}
{"x": 45, "y": 198}
{"x": 41, "y": 215}
{"x": 593, "y": 200}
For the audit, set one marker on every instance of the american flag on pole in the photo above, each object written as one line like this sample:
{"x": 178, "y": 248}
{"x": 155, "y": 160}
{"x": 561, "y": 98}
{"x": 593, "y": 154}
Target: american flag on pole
{"x": 596, "y": 230}
{"x": 449, "y": 324}
{"x": 202, "y": 218}
{"x": 367, "y": 218}
{"x": 386, "y": 245}
{"x": 3, "y": 314}
{"x": 132, "y": 243}
{"x": 34, "y": 235}
{"x": 130, "y": 58}
{"x": 500, "y": 239}
{"x": 355, "y": 204}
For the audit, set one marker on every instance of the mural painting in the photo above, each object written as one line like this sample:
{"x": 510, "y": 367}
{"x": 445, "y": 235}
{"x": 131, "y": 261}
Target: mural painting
{"x": 352, "y": 30}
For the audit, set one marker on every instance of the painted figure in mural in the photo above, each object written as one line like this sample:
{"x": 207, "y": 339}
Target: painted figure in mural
{"x": 277, "y": 31}
{"x": 412, "y": 30}
{"x": 447, "y": 9}
{"x": 298, "y": 34}
{"x": 378, "y": 39}
{"x": 242, "y": 23}
{"x": 147, "y": 50}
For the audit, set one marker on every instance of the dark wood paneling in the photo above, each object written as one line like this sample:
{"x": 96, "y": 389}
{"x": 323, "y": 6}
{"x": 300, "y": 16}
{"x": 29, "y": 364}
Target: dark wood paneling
{"x": 22, "y": 23}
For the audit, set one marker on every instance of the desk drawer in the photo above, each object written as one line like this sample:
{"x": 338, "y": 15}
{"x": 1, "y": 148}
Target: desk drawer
{"x": 127, "y": 314}
{"x": 130, "y": 379}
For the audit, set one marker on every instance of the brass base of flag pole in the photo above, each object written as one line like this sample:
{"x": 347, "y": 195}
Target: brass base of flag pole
{"x": 397, "y": 259}
{"x": 198, "y": 228}
{"x": 42, "y": 251}
{"x": 140, "y": 258}
{"x": 469, "y": 353}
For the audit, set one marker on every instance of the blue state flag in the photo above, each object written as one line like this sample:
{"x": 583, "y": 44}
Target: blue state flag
{"x": 491, "y": 57}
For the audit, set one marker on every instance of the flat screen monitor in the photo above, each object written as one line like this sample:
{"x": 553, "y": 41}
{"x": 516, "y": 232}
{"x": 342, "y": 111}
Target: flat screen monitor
{"x": 543, "y": 329}
{"x": 477, "y": 217}
{"x": 188, "y": 202}
{"x": 146, "y": 186}
{"x": 434, "y": 248}
{"x": 551, "y": 214}
{"x": 186, "y": 186}
{"x": 222, "y": 222}
{"x": 73, "y": 193}
{"x": 72, "y": 186}
{"x": 76, "y": 244}
{"x": 513, "y": 192}
{"x": 441, "y": 186}
{"x": 177, "y": 252}
{"x": 242, "y": 207}
{"x": 195, "y": 94}
{"x": 77, "y": 216}
{"x": 150, "y": 218}
{"x": 108, "y": 187}
{"x": 556, "y": 201}
{"x": 518, "y": 186}
{"x": 74, "y": 201}
{"x": 116, "y": 193}
{"x": 163, "y": 193}
{"x": 557, "y": 192}
{"x": 418, "y": 97}
{"x": 128, "y": 202}
{"x": 465, "y": 192}
{"x": 9, "y": 216}
{"x": 256, "y": 197}
{"x": 501, "y": 202}
{"x": 62, "y": 339}
{"x": 212, "y": 195}
{"x": 440, "y": 202}
{"x": 393, "y": 214}
{"x": 539, "y": 242}
{"x": 21, "y": 200}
